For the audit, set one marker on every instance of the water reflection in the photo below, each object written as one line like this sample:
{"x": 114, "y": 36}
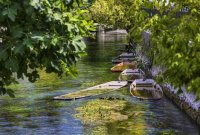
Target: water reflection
{"x": 34, "y": 112}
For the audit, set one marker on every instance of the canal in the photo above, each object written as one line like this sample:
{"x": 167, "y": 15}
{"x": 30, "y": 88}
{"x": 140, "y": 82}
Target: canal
{"x": 33, "y": 112}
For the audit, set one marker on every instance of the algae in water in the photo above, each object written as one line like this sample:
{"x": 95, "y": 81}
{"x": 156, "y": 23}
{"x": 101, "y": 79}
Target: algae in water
{"x": 101, "y": 112}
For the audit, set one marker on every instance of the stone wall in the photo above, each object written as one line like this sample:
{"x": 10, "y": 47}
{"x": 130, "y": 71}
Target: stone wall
{"x": 175, "y": 98}
{"x": 184, "y": 106}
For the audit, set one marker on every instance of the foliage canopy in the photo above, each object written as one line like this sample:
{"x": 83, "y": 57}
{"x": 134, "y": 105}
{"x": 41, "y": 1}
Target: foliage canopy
{"x": 114, "y": 13}
{"x": 47, "y": 34}
{"x": 175, "y": 29}
{"x": 40, "y": 34}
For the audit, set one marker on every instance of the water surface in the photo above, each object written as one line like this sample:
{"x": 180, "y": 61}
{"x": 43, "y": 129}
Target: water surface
{"x": 33, "y": 112}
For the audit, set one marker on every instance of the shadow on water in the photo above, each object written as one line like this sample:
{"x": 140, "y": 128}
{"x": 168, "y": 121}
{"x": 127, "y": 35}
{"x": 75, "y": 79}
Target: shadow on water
{"x": 34, "y": 112}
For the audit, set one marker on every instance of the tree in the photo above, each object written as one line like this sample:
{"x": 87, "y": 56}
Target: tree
{"x": 45, "y": 34}
{"x": 113, "y": 13}
{"x": 175, "y": 35}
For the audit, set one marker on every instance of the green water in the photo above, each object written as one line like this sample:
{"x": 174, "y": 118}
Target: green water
{"x": 33, "y": 112}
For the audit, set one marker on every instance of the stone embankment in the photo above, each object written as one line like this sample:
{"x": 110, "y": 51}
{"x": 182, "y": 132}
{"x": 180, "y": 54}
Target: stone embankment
{"x": 187, "y": 102}
{"x": 183, "y": 105}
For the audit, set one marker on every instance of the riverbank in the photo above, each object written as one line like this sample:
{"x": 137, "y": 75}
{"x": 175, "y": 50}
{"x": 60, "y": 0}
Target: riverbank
{"x": 186, "y": 102}
{"x": 34, "y": 112}
{"x": 184, "y": 106}
{"x": 180, "y": 100}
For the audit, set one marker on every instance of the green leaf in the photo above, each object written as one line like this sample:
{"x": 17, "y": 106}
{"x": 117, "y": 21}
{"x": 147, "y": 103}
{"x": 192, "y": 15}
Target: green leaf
{"x": 19, "y": 49}
{"x": 29, "y": 26}
{"x": 3, "y": 55}
{"x": 35, "y": 3}
{"x": 54, "y": 40}
{"x": 198, "y": 37}
{"x": 74, "y": 47}
{"x": 78, "y": 2}
{"x": 54, "y": 65}
{"x": 70, "y": 26}
{"x": 57, "y": 16}
{"x": 5, "y": 12}
{"x": 16, "y": 31}
{"x": 39, "y": 38}
{"x": 29, "y": 10}
{"x": 27, "y": 42}
{"x": 11, "y": 12}
{"x": 178, "y": 55}
{"x": 2, "y": 91}
{"x": 10, "y": 92}
{"x": 12, "y": 64}
{"x": 11, "y": 15}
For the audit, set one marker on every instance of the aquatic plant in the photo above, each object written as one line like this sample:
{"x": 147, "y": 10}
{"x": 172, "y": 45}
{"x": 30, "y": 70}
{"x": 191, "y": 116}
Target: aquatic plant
{"x": 101, "y": 112}
{"x": 100, "y": 130}
{"x": 48, "y": 79}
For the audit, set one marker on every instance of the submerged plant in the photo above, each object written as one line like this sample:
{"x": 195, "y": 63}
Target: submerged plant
{"x": 101, "y": 112}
